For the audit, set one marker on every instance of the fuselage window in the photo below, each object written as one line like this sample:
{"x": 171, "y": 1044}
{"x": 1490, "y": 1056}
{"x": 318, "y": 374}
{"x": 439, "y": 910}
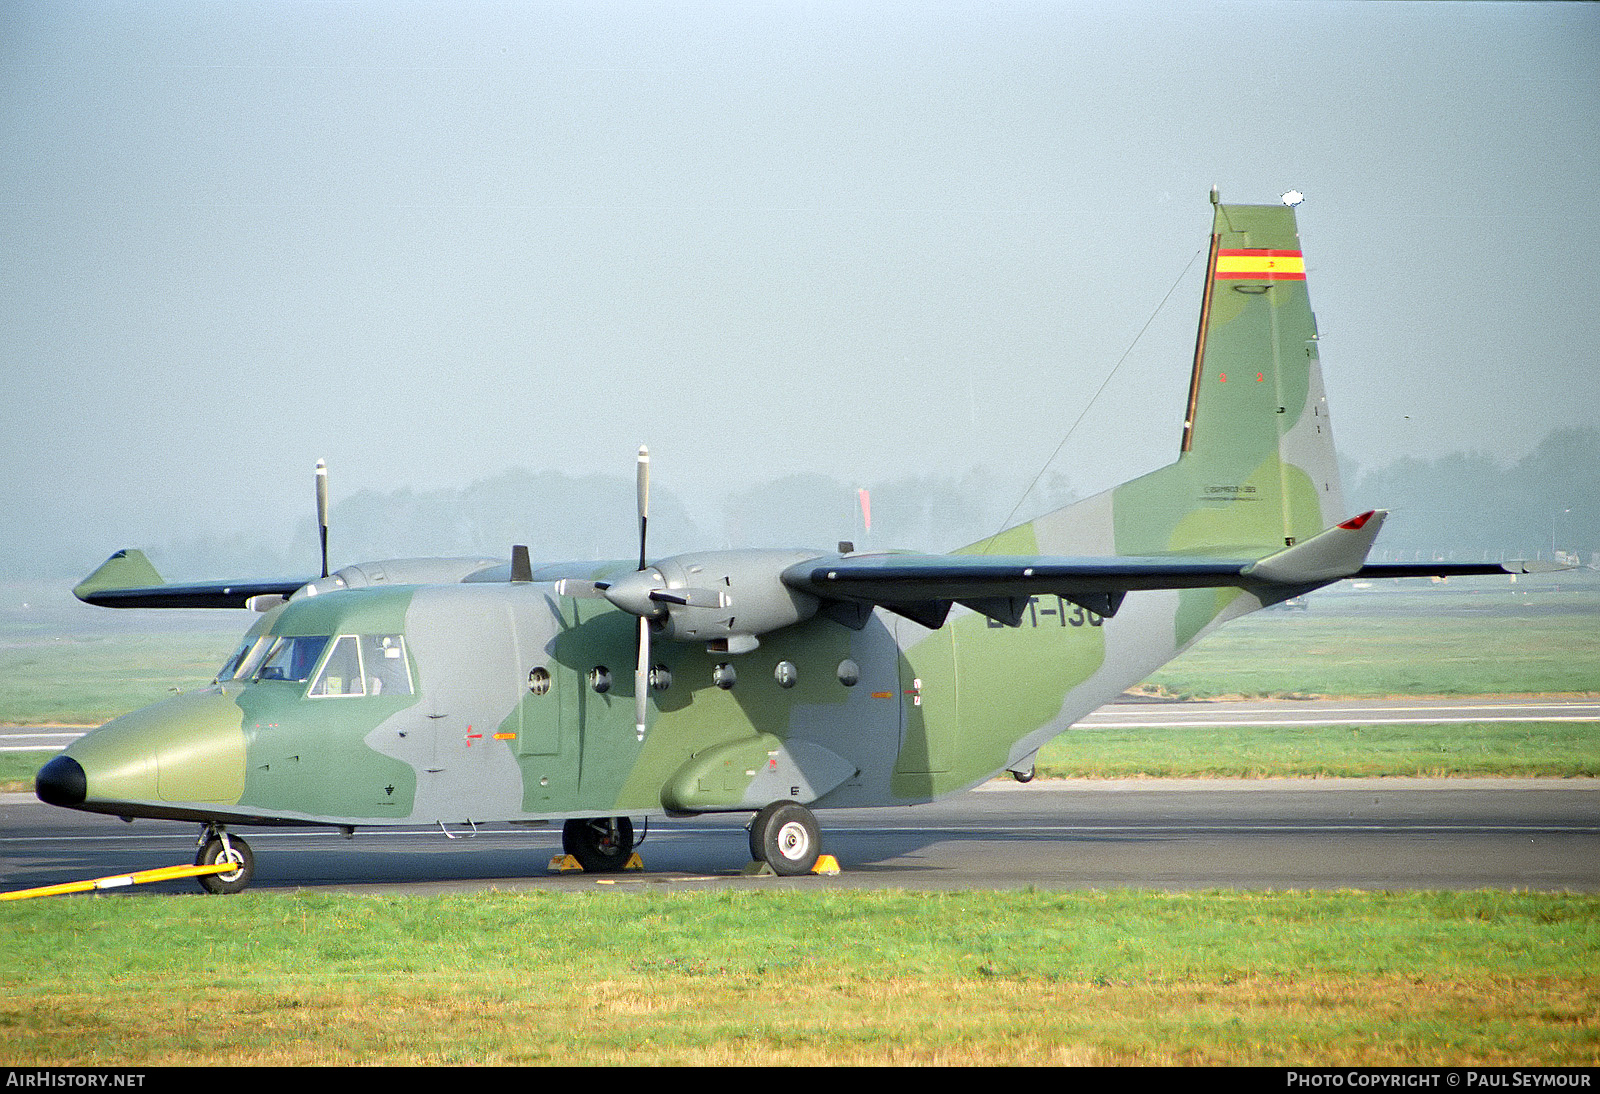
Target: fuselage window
{"x": 341, "y": 672}
{"x": 293, "y": 658}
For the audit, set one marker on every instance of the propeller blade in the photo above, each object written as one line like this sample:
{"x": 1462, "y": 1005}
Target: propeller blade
{"x": 322, "y": 510}
{"x": 588, "y": 590}
{"x": 641, "y": 679}
{"x": 689, "y": 598}
{"x": 643, "y": 488}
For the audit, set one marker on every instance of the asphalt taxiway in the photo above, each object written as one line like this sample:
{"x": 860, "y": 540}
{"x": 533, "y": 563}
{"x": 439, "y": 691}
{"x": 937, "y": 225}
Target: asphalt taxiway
{"x": 1389, "y": 834}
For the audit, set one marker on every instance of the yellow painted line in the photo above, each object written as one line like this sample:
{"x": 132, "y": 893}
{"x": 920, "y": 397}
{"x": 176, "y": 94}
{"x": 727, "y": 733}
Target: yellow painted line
{"x": 118, "y": 881}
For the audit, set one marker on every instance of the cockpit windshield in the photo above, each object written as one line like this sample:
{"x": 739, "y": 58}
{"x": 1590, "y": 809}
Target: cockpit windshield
{"x": 245, "y": 660}
{"x": 293, "y": 658}
{"x": 354, "y": 665}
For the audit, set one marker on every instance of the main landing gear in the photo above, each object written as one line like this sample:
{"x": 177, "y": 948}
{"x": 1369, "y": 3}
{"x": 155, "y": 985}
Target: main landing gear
{"x": 785, "y": 836}
{"x": 216, "y": 847}
{"x": 600, "y": 844}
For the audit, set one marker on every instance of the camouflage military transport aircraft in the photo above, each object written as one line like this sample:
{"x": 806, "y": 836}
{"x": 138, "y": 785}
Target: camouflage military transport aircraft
{"x": 772, "y": 682}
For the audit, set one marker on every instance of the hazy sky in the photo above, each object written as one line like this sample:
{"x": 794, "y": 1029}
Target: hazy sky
{"x": 428, "y": 241}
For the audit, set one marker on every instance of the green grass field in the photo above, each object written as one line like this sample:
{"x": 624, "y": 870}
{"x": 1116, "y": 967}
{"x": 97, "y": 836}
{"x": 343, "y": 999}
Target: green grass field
{"x": 796, "y": 978}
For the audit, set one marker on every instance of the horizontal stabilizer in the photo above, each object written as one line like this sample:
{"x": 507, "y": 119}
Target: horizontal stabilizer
{"x": 1457, "y": 569}
{"x": 1327, "y": 556}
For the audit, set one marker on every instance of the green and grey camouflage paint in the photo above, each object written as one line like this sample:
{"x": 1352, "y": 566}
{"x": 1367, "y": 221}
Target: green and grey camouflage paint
{"x": 519, "y": 703}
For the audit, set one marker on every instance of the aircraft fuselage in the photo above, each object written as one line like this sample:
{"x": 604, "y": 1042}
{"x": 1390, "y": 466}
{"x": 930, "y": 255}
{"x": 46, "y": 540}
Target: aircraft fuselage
{"x": 503, "y": 702}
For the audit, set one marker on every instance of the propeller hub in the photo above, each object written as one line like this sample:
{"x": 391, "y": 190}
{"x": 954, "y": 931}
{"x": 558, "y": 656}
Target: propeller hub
{"x": 632, "y": 592}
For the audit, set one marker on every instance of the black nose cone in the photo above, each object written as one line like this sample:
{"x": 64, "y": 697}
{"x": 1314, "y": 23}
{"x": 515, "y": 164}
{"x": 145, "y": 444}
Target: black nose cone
{"x": 61, "y": 782}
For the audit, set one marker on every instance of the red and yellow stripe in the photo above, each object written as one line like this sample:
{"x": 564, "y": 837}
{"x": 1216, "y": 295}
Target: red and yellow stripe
{"x": 1253, "y": 264}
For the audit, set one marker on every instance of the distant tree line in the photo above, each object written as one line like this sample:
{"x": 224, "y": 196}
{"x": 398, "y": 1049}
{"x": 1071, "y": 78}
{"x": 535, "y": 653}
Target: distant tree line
{"x": 1462, "y": 506}
{"x": 1467, "y": 506}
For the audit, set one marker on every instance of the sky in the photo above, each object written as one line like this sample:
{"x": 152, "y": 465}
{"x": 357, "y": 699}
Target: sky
{"x": 428, "y": 242}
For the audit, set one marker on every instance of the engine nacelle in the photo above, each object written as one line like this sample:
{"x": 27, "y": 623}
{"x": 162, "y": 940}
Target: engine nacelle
{"x": 722, "y": 598}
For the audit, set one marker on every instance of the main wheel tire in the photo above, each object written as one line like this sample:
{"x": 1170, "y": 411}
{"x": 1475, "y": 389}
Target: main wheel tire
{"x": 236, "y": 851}
{"x": 600, "y": 844}
{"x": 785, "y": 836}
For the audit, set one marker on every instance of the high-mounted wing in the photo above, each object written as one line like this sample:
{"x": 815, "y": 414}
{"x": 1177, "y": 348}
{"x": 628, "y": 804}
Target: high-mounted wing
{"x": 923, "y": 588}
{"x": 127, "y": 580}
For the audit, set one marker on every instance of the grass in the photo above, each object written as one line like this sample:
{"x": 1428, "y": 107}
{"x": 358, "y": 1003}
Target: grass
{"x": 784, "y": 977}
{"x": 1388, "y": 643}
{"x": 1519, "y": 749}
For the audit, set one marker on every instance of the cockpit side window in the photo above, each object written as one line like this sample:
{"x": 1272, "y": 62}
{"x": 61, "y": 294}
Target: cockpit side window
{"x": 245, "y": 660}
{"x": 341, "y": 672}
{"x": 293, "y": 658}
{"x": 383, "y": 657}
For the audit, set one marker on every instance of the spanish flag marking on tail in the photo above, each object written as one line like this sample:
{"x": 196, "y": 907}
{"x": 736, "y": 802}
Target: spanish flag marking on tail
{"x": 1260, "y": 265}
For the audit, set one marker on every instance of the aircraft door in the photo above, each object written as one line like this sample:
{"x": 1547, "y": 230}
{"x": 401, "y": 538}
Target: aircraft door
{"x": 927, "y": 704}
{"x": 547, "y": 738}
{"x": 465, "y": 646}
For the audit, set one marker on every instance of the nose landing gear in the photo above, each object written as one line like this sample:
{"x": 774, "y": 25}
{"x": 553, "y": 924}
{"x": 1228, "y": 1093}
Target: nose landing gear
{"x": 601, "y": 845}
{"x": 217, "y": 847}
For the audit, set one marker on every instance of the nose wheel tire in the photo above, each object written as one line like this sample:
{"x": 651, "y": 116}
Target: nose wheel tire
{"x": 219, "y": 849}
{"x": 600, "y": 844}
{"x": 785, "y": 836}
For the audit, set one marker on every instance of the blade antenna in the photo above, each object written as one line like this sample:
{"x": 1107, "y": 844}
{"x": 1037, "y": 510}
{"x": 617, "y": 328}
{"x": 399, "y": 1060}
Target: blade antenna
{"x": 322, "y": 510}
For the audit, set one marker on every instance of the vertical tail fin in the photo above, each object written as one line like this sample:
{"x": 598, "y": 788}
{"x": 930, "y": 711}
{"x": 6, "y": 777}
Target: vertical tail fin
{"x": 1257, "y": 469}
{"x": 1257, "y": 409}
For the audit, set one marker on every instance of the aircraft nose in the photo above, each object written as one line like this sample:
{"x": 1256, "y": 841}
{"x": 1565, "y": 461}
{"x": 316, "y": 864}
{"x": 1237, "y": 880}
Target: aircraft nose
{"x": 61, "y": 782}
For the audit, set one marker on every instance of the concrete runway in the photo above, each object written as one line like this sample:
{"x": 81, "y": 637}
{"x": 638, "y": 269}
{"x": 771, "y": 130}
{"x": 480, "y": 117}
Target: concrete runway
{"x": 1390, "y": 834}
